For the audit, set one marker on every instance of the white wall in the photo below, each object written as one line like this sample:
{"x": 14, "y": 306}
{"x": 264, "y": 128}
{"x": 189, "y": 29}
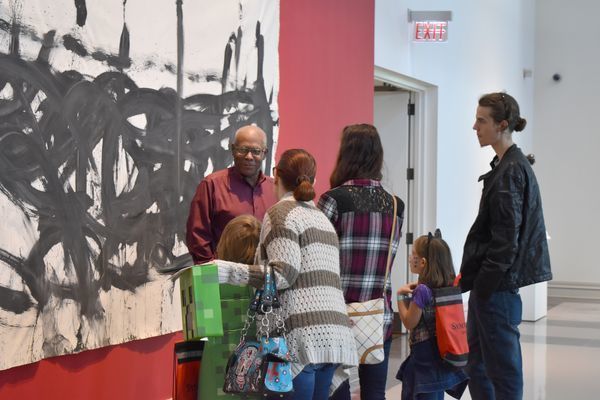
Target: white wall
{"x": 489, "y": 44}
{"x": 567, "y": 134}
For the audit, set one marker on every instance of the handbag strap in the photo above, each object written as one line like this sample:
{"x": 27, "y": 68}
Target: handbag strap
{"x": 389, "y": 256}
{"x": 264, "y": 302}
{"x": 270, "y": 307}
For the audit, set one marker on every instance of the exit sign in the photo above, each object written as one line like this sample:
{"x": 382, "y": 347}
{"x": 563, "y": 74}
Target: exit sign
{"x": 430, "y": 31}
{"x": 429, "y": 26}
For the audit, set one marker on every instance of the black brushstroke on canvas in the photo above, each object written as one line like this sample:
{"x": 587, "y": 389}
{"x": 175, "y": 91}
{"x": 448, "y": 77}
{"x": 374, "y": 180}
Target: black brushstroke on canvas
{"x": 81, "y": 12}
{"x": 49, "y": 127}
{"x": 15, "y": 36}
{"x": 73, "y": 44}
{"x": 178, "y": 105}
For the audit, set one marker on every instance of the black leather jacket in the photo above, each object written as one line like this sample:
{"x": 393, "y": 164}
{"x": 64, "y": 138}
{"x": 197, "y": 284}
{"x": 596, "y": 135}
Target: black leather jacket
{"x": 506, "y": 247}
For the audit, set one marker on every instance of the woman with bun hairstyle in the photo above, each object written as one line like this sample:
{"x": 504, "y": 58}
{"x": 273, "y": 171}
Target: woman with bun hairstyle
{"x": 301, "y": 246}
{"x": 505, "y": 249}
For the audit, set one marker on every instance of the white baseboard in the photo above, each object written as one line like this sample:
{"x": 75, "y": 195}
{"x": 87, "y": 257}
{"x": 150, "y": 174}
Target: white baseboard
{"x": 574, "y": 290}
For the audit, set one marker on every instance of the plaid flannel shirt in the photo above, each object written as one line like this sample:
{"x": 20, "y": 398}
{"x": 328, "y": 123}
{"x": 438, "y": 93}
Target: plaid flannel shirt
{"x": 361, "y": 212}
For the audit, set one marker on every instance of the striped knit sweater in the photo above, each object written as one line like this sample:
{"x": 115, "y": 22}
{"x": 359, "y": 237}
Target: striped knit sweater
{"x": 301, "y": 245}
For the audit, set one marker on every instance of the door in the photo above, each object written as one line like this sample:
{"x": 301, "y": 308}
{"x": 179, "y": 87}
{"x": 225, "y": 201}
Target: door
{"x": 392, "y": 120}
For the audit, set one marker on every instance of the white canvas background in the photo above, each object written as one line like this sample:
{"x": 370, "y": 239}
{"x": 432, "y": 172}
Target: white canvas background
{"x": 153, "y": 308}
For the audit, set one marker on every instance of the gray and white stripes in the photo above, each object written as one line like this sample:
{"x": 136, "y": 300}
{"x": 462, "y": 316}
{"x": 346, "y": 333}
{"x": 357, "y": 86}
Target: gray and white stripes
{"x": 301, "y": 245}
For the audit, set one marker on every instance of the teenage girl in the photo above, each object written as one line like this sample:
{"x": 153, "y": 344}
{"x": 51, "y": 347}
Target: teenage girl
{"x": 423, "y": 374}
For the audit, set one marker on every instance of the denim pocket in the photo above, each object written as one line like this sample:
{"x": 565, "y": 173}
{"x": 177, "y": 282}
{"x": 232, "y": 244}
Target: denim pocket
{"x": 513, "y": 307}
{"x": 502, "y": 307}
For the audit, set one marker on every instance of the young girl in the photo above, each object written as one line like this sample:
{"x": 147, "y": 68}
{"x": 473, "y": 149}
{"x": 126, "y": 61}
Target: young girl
{"x": 239, "y": 239}
{"x": 238, "y": 243}
{"x": 423, "y": 374}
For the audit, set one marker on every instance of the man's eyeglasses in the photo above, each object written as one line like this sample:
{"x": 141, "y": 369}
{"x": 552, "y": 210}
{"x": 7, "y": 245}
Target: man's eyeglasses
{"x": 242, "y": 151}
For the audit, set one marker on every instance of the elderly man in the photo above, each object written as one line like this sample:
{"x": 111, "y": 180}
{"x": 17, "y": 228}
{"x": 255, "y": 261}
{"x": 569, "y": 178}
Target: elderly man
{"x": 225, "y": 194}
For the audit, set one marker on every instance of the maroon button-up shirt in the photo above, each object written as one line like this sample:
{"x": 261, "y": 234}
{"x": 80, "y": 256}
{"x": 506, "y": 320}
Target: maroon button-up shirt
{"x": 220, "y": 197}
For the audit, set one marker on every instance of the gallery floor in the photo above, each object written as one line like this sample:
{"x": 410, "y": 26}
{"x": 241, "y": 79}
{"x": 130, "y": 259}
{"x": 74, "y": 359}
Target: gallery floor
{"x": 561, "y": 353}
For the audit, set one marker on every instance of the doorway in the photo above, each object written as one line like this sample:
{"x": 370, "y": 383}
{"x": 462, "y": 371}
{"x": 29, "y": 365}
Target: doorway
{"x": 393, "y": 117}
{"x": 405, "y": 114}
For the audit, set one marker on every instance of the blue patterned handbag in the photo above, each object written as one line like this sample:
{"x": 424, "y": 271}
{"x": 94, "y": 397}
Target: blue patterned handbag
{"x": 278, "y": 374}
{"x": 262, "y": 366}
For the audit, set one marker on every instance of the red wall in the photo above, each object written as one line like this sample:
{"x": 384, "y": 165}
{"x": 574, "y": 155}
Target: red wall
{"x": 326, "y": 57}
{"x": 326, "y": 82}
{"x": 141, "y": 369}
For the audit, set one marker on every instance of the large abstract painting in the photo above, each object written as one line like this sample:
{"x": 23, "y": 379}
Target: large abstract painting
{"x": 111, "y": 112}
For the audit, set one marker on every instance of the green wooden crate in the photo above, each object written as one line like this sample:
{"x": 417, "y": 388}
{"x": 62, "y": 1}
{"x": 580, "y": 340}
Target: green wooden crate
{"x": 201, "y": 302}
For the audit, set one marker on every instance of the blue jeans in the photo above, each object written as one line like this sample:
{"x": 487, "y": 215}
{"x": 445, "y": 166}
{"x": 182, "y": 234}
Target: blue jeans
{"x": 495, "y": 365}
{"x": 313, "y": 382}
{"x": 373, "y": 378}
{"x": 431, "y": 396}
{"x": 425, "y": 376}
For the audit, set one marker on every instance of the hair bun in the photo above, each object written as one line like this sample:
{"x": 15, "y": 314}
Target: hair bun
{"x": 297, "y": 169}
{"x": 302, "y": 178}
{"x": 520, "y": 125}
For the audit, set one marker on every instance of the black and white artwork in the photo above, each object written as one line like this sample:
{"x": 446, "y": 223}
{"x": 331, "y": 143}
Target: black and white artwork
{"x": 111, "y": 112}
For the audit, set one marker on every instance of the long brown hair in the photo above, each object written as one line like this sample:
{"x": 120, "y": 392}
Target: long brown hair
{"x": 360, "y": 155}
{"x": 439, "y": 269}
{"x": 239, "y": 239}
{"x": 504, "y": 107}
{"x": 297, "y": 169}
